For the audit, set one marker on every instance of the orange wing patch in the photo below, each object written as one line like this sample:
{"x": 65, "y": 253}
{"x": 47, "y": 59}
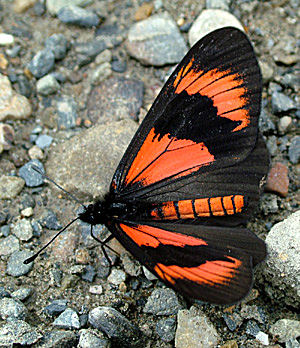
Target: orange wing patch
{"x": 209, "y": 273}
{"x": 225, "y": 88}
{"x": 178, "y": 157}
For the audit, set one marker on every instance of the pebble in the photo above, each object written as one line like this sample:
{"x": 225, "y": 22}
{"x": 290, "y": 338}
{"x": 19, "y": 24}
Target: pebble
{"x": 78, "y": 16}
{"x": 36, "y": 153}
{"x": 18, "y": 332}
{"x": 233, "y": 321}
{"x": 6, "y": 39}
{"x": 162, "y": 301}
{"x": 119, "y": 66}
{"x": 10, "y": 186}
{"x": 87, "y": 51}
{"x": 43, "y": 141}
{"x": 20, "y": 6}
{"x": 294, "y": 150}
{"x": 114, "y": 99}
{"x": 42, "y": 63}
{"x": 268, "y": 204}
{"x": 252, "y": 328}
{"x": 218, "y": 4}
{"x": 149, "y": 275}
{"x": 3, "y": 292}
{"x": 130, "y": 265}
{"x": 12, "y": 309}
{"x": 47, "y": 85}
{"x": 24, "y": 86}
{"x": 56, "y": 307}
{"x": 67, "y": 111}
{"x": 58, "y": 44}
{"x": 22, "y": 294}
{"x": 116, "y": 276}
{"x": 263, "y": 338}
{"x": 210, "y": 20}
{"x": 281, "y": 103}
{"x": 283, "y": 262}
{"x": 284, "y": 124}
{"x": 90, "y": 339}
{"x": 111, "y": 34}
{"x": 88, "y": 274}
{"x": 194, "y": 330}
{"x": 253, "y": 312}
{"x": 115, "y": 326}
{"x": 23, "y": 230}
{"x": 49, "y": 220}
{"x": 272, "y": 145}
{"x": 9, "y": 245}
{"x": 5, "y": 231}
{"x": 267, "y": 71}
{"x": 103, "y": 57}
{"x": 165, "y": 329}
{"x": 151, "y": 41}
{"x": 7, "y": 136}
{"x": 39, "y": 8}
{"x": 27, "y": 200}
{"x": 144, "y": 11}
{"x": 14, "y": 51}
{"x": 31, "y": 177}
{"x": 12, "y": 104}
{"x": 67, "y": 320}
{"x": 53, "y": 6}
{"x": 96, "y": 289}
{"x": 15, "y": 265}
{"x": 59, "y": 339}
{"x": 27, "y": 212}
{"x": 100, "y": 73}
{"x": 278, "y": 179}
{"x": 285, "y": 329}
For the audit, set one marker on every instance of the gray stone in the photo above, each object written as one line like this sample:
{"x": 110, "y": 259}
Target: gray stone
{"x": 165, "y": 329}
{"x": 284, "y": 124}
{"x": 47, "y": 85}
{"x": 151, "y": 41}
{"x": 90, "y": 339}
{"x": 7, "y": 136}
{"x": 12, "y": 104}
{"x": 67, "y": 112}
{"x": 23, "y": 230}
{"x": 253, "y": 312}
{"x": 18, "y": 332}
{"x": 9, "y": 245}
{"x": 53, "y": 6}
{"x": 49, "y": 220}
{"x": 194, "y": 330}
{"x": 78, "y": 16}
{"x": 252, "y": 329}
{"x": 268, "y": 204}
{"x": 56, "y": 307}
{"x": 90, "y": 49}
{"x": 281, "y": 103}
{"x": 78, "y": 174}
{"x": 114, "y": 99}
{"x": 267, "y": 71}
{"x": 266, "y": 125}
{"x": 285, "y": 329}
{"x": 162, "y": 302}
{"x": 100, "y": 73}
{"x": 272, "y": 145}
{"x": 115, "y": 326}
{"x": 210, "y": 20}
{"x": 283, "y": 262}
{"x": 294, "y": 150}
{"x": 58, "y": 44}
{"x": 31, "y": 177}
{"x": 116, "y": 277}
{"x": 42, "y": 63}
{"x": 67, "y": 320}
{"x": 43, "y": 141}
{"x": 59, "y": 339}
{"x": 218, "y": 4}
{"x": 12, "y": 309}
{"x": 10, "y": 186}
{"x": 22, "y": 294}
{"x": 131, "y": 266}
{"x": 15, "y": 265}
{"x": 233, "y": 320}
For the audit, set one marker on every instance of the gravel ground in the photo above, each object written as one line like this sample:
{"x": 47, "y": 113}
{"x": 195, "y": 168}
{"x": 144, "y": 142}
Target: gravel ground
{"x": 77, "y": 76}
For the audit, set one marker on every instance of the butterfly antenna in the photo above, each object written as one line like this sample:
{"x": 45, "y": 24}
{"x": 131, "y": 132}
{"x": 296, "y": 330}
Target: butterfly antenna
{"x": 32, "y": 258}
{"x": 38, "y": 170}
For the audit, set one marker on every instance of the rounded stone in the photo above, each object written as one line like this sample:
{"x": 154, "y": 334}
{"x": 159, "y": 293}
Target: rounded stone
{"x": 10, "y": 186}
{"x": 15, "y": 264}
{"x": 12, "y": 309}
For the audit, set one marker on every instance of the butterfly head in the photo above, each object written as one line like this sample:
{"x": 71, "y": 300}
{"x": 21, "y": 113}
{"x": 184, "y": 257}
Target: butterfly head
{"x": 93, "y": 213}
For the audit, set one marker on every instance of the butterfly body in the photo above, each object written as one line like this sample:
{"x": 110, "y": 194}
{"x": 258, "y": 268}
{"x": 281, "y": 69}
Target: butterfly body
{"x": 191, "y": 176}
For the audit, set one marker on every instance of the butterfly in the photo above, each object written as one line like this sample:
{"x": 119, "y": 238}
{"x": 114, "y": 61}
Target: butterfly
{"x": 191, "y": 176}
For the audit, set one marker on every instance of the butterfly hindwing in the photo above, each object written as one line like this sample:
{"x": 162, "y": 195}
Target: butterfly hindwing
{"x": 205, "y": 117}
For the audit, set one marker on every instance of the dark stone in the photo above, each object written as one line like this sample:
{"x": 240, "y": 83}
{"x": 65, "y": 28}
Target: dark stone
{"x": 49, "y": 220}
{"x": 165, "y": 329}
{"x": 111, "y": 34}
{"x": 31, "y": 177}
{"x": 252, "y": 328}
{"x": 294, "y": 150}
{"x": 89, "y": 274}
{"x": 56, "y": 307}
{"x": 119, "y": 66}
{"x": 162, "y": 302}
{"x": 42, "y": 63}
{"x": 59, "y": 339}
{"x": 39, "y": 8}
{"x": 78, "y": 16}
{"x": 24, "y": 86}
{"x": 4, "y": 293}
{"x": 266, "y": 125}
{"x": 27, "y": 201}
{"x": 58, "y": 44}
{"x": 281, "y": 103}
{"x": 90, "y": 49}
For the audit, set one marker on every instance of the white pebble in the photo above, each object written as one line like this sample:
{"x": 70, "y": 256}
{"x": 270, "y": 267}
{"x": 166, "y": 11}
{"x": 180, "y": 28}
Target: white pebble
{"x": 6, "y": 39}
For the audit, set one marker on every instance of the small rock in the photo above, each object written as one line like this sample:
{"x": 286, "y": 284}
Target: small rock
{"x": 14, "y": 51}
{"x": 284, "y": 124}
{"x": 9, "y": 245}
{"x": 116, "y": 277}
{"x": 278, "y": 180}
{"x": 272, "y": 145}
{"x": 267, "y": 71}
{"x": 194, "y": 330}
{"x": 111, "y": 34}
{"x": 285, "y": 59}
{"x": 268, "y": 204}
{"x": 263, "y": 338}
{"x": 47, "y": 85}
{"x": 6, "y": 39}
{"x": 4, "y": 232}
{"x": 10, "y": 186}
{"x": 12, "y": 309}
{"x": 78, "y": 16}
{"x": 59, "y": 339}
{"x": 281, "y": 103}
{"x": 100, "y": 73}
{"x": 43, "y": 141}
{"x": 210, "y": 20}
{"x": 149, "y": 275}
{"x": 67, "y": 320}
{"x": 162, "y": 302}
{"x": 88, "y": 274}
{"x": 20, "y": 6}
{"x": 103, "y": 57}
{"x": 22, "y": 294}
{"x": 285, "y": 329}
{"x": 253, "y": 312}
{"x": 58, "y": 44}
{"x": 23, "y": 230}
{"x": 283, "y": 262}
{"x": 42, "y": 63}
{"x": 90, "y": 339}
{"x": 12, "y": 104}
{"x": 49, "y": 220}
{"x": 36, "y": 153}
{"x": 27, "y": 212}
{"x": 119, "y": 65}
{"x": 15, "y": 265}
{"x": 151, "y": 41}
{"x": 96, "y": 289}
{"x": 31, "y": 177}
{"x": 115, "y": 326}
{"x": 3, "y": 293}
{"x": 39, "y": 8}
{"x": 233, "y": 321}
{"x": 252, "y": 328}
{"x": 218, "y": 4}
{"x": 18, "y": 332}
{"x": 294, "y": 150}
{"x": 24, "y": 86}
{"x": 7, "y": 135}
{"x": 144, "y": 11}
{"x": 165, "y": 329}
{"x": 67, "y": 112}
{"x": 56, "y": 307}
{"x": 53, "y": 6}
{"x": 131, "y": 266}
{"x": 87, "y": 51}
